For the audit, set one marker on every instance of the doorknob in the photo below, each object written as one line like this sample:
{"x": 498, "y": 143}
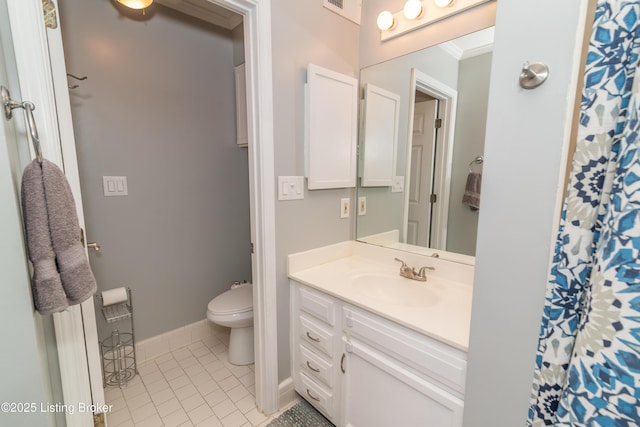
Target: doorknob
{"x": 93, "y": 245}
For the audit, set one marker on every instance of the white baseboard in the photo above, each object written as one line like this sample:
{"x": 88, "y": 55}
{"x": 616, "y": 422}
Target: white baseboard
{"x": 286, "y": 393}
{"x": 153, "y": 347}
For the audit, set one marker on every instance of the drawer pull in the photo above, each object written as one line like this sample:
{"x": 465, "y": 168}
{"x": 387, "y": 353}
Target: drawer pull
{"x": 312, "y": 338}
{"x": 342, "y": 363}
{"x": 312, "y": 368}
{"x": 317, "y": 399}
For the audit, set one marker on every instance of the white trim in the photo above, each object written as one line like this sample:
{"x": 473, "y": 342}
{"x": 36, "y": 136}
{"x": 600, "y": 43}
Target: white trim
{"x": 156, "y": 346}
{"x": 287, "y": 392}
{"x": 258, "y": 56}
{"x": 449, "y": 98}
{"x": 68, "y": 150}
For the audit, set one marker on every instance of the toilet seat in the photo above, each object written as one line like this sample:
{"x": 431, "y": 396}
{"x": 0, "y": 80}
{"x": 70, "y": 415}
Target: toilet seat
{"x": 234, "y": 301}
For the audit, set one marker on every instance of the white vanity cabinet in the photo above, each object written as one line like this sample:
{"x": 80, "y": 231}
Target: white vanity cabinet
{"x": 316, "y": 349}
{"x": 361, "y": 370}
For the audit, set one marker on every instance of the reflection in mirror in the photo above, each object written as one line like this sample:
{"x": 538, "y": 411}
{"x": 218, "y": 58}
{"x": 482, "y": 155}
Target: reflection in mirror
{"x": 431, "y": 204}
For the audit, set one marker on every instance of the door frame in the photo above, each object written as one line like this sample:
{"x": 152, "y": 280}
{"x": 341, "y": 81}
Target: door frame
{"x": 421, "y": 178}
{"x": 41, "y": 70}
{"x": 448, "y": 98}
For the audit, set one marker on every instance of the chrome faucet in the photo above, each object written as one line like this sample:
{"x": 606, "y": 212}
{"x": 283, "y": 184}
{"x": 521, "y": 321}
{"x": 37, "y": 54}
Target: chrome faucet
{"x": 410, "y": 273}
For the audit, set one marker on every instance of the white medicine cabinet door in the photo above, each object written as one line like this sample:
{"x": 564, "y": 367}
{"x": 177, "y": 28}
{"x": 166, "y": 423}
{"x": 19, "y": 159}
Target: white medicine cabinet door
{"x": 242, "y": 133}
{"x": 331, "y": 129}
{"x": 381, "y": 111}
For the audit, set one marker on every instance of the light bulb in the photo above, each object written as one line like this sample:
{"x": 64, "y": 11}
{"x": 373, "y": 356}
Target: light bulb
{"x": 385, "y": 20}
{"x": 412, "y": 9}
{"x": 443, "y": 3}
{"x": 136, "y": 4}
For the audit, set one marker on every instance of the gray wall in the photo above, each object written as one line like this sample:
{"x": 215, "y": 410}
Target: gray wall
{"x": 304, "y": 32}
{"x": 525, "y": 141}
{"x": 473, "y": 95}
{"x": 159, "y": 107}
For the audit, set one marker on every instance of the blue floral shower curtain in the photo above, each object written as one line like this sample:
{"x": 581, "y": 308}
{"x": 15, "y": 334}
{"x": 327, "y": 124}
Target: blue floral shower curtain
{"x": 588, "y": 362}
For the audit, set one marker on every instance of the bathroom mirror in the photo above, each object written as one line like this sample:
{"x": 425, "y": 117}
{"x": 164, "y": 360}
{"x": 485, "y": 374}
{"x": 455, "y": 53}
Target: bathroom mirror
{"x": 443, "y": 92}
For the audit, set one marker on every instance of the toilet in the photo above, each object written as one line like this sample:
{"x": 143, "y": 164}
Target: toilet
{"x": 234, "y": 309}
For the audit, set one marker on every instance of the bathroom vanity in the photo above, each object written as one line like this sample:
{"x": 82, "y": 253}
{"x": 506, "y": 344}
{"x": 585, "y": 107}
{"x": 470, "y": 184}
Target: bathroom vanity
{"x": 372, "y": 348}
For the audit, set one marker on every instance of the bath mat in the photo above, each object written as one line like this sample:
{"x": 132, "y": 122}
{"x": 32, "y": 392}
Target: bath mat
{"x": 300, "y": 415}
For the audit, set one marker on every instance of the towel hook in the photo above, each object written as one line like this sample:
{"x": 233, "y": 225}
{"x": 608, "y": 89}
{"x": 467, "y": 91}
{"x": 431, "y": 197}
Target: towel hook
{"x": 73, "y": 76}
{"x": 533, "y": 75}
{"x": 477, "y": 161}
{"x": 28, "y": 107}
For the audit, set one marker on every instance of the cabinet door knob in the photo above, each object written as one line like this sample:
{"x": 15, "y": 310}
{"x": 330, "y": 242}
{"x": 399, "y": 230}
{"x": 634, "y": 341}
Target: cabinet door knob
{"x": 317, "y": 399}
{"x": 312, "y": 368}
{"x": 312, "y": 338}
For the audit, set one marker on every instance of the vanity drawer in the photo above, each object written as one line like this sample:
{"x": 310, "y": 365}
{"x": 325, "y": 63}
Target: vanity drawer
{"x": 317, "y": 305}
{"x": 315, "y": 366}
{"x": 318, "y": 396}
{"x": 316, "y": 335}
{"x": 428, "y": 356}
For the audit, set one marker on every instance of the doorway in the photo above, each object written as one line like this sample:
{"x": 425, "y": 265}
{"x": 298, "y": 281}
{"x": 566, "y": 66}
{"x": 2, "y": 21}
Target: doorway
{"x": 162, "y": 116}
{"x": 421, "y": 179}
{"x": 41, "y": 71}
{"x": 427, "y": 198}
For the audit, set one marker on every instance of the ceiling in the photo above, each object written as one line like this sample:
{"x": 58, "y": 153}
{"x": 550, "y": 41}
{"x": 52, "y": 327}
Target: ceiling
{"x": 470, "y": 45}
{"x": 206, "y": 11}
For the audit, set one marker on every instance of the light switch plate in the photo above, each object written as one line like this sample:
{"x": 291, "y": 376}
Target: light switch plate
{"x": 398, "y": 184}
{"x": 290, "y": 187}
{"x": 115, "y": 186}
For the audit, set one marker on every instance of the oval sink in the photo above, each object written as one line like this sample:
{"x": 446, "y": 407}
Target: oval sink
{"x": 395, "y": 290}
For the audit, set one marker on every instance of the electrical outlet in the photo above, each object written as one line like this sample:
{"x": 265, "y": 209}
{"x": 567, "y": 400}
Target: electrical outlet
{"x": 362, "y": 206}
{"x": 344, "y": 208}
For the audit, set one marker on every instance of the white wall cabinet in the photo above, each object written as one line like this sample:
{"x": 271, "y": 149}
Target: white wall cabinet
{"x": 381, "y": 115}
{"x": 361, "y": 370}
{"x": 331, "y": 124}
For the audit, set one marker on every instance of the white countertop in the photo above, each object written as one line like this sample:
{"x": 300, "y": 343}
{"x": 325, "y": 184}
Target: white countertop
{"x": 439, "y": 308}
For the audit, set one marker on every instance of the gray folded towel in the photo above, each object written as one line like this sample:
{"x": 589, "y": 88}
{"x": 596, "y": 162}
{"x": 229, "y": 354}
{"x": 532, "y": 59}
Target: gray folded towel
{"x": 62, "y": 275}
{"x": 471, "y": 196}
{"x": 77, "y": 279}
{"x": 48, "y": 294}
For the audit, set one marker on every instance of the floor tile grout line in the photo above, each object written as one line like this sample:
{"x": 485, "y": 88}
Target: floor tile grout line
{"x": 185, "y": 358}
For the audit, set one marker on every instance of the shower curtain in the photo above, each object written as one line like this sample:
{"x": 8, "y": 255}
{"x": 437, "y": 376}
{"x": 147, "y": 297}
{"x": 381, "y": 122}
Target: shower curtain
{"x": 587, "y": 370}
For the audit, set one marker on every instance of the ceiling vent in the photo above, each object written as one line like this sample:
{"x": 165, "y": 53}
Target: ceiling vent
{"x": 350, "y": 9}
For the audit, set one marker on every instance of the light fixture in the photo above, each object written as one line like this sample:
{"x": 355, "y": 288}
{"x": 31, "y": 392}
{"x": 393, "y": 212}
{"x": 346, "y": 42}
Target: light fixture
{"x": 385, "y": 20}
{"x": 413, "y": 9}
{"x": 420, "y": 13}
{"x": 135, "y": 4}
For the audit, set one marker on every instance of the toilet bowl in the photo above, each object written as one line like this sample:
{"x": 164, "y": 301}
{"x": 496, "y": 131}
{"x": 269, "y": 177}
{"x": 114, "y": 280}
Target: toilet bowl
{"x": 234, "y": 309}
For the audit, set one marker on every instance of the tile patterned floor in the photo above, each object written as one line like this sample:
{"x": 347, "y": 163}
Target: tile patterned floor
{"x": 191, "y": 386}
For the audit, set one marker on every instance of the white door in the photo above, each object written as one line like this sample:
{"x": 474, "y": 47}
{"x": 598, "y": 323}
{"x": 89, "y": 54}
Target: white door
{"x": 420, "y": 179}
{"x": 374, "y": 383}
{"x": 39, "y": 80}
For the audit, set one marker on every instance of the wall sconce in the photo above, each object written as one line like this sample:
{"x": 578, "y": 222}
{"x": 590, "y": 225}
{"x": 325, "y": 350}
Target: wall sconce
{"x": 136, "y": 4}
{"x": 415, "y": 15}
